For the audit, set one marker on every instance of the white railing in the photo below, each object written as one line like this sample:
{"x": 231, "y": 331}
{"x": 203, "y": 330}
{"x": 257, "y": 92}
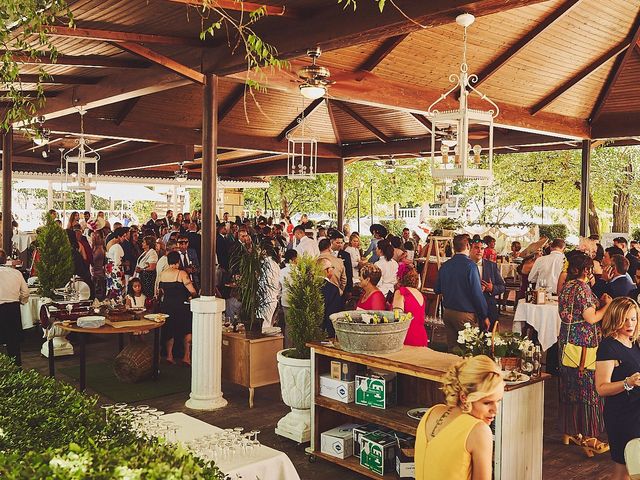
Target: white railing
{"x": 409, "y": 212}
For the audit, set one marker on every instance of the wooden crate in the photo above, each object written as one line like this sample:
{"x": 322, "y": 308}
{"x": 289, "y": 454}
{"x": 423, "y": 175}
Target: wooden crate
{"x": 251, "y": 363}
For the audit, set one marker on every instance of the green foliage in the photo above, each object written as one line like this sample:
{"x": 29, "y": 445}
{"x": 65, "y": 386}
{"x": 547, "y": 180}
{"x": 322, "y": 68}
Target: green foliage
{"x": 56, "y": 261}
{"x": 50, "y": 430}
{"x": 306, "y": 305}
{"x": 143, "y": 209}
{"x": 635, "y": 234}
{"x": 195, "y": 198}
{"x": 446, "y": 224}
{"x": 553, "y": 231}
{"x": 394, "y": 227}
{"x": 23, "y": 31}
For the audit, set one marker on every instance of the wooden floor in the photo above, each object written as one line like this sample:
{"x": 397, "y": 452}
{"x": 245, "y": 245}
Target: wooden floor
{"x": 560, "y": 462}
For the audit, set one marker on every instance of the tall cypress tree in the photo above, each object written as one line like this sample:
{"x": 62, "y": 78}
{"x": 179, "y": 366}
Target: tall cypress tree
{"x": 55, "y": 266}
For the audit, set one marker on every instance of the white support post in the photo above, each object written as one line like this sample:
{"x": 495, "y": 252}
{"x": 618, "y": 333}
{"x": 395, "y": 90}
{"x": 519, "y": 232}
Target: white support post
{"x": 49, "y": 195}
{"x": 206, "y": 357}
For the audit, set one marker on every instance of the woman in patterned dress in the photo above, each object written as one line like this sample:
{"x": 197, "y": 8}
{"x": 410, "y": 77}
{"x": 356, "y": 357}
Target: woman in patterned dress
{"x": 113, "y": 270}
{"x": 581, "y": 413}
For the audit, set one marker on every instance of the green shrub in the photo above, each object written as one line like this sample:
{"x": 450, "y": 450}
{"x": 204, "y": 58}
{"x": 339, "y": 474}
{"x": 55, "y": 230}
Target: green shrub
{"x": 553, "y": 231}
{"x": 394, "y": 227}
{"x": 446, "y": 224}
{"x": 635, "y": 234}
{"x": 50, "y": 430}
{"x": 55, "y": 266}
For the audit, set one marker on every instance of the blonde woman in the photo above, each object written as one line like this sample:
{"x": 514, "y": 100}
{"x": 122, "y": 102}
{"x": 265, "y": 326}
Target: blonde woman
{"x": 618, "y": 376}
{"x": 454, "y": 441}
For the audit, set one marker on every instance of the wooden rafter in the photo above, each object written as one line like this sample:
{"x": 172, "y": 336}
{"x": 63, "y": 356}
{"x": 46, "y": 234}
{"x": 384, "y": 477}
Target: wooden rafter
{"x": 381, "y": 52}
{"x": 235, "y": 5}
{"x": 88, "y": 61}
{"x": 163, "y": 61}
{"x": 119, "y": 36}
{"x": 584, "y": 73}
{"x": 306, "y": 113}
{"x": 424, "y": 121}
{"x": 621, "y": 62}
{"x": 59, "y": 79}
{"x": 334, "y": 124}
{"x": 363, "y": 121}
{"x": 126, "y": 109}
{"x": 147, "y": 156}
{"x": 47, "y": 94}
{"x": 232, "y": 100}
{"x": 502, "y": 59}
{"x": 254, "y": 159}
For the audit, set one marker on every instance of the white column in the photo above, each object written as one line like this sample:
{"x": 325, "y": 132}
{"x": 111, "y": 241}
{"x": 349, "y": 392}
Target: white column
{"x": 49, "y": 195}
{"x": 206, "y": 356}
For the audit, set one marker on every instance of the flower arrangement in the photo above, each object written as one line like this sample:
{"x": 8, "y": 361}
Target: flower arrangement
{"x": 471, "y": 341}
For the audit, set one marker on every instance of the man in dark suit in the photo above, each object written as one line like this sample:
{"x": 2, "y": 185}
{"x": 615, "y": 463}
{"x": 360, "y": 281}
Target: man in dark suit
{"x": 152, "y": 225}
{"x": 491, "y": 281}
{"x": 195, "y": 239}
{"x": 634, "y": 262}
{"x": 332, "y": 299}
{"x": 222, "y": 246}
{"x": 189, "y": 260}
{"x": 618, "y": 282}
{"x": 337, "y": 245}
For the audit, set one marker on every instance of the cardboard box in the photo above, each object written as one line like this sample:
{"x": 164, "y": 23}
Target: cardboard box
{"x": 337, "y": 389}
{"x": 378, "y": 390}
{"x": 344, "y": 370}
{"x": 359, "y": 432}
{"x": 378, "y": 452}
{"x": 338, "y": 442}
{"x": 405, "y": 462}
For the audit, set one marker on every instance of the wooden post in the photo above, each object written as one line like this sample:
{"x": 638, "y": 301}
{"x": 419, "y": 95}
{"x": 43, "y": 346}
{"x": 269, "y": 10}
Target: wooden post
{"x": 7, "y": 165}
{"x": 209, "y": 183}
{"x": 584, "y": 187}
{"x": 340, "y": 194}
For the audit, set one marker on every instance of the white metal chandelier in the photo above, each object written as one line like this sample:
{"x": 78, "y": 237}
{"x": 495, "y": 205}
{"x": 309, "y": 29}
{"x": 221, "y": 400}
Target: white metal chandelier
{"x": 83, "y": 156}
{"x": 302, "y": 153}
{"x": 452, "y": 127}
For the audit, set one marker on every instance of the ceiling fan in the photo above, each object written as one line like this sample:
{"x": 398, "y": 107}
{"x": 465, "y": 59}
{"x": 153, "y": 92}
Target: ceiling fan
{"x": 448, "y": 135}
{"x": 390, "y": 165}
{"x": 314, "y": 78}
{"x": 181, "y": 174}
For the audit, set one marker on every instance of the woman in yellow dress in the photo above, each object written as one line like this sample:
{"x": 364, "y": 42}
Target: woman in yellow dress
{"x": 454, "y": 441}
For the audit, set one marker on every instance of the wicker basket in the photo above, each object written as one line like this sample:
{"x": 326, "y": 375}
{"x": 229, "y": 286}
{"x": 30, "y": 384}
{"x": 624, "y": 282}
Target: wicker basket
{"x": 134, "y": 363}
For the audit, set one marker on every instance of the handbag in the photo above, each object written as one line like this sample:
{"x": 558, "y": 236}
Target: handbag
{"x": 577, "y": 356}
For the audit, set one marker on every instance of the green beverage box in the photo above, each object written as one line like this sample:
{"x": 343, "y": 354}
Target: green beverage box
{"x": 378, "y": 452}
{"x": 378, "y": 390}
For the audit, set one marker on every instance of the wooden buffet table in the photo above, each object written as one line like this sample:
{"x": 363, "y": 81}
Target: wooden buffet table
{"x": 250, "y": 362}
{"x": 108, "y": 330}
{"x": 518, "y": 424}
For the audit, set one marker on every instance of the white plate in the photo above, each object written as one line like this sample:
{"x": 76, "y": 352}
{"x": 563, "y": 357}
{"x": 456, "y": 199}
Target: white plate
{"x": 417, "y": 413}
{"x": 91, "y": 321}
{"x": 157, "y": 317}
{"x": 523, "y": 378}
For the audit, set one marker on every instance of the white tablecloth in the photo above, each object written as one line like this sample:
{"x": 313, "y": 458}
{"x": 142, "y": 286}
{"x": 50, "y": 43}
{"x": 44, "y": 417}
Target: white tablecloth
{"x": 544, "y": 318}
{"x": 23, "y": 240}
{"x": 264, "y": 464}
{"x": 30, "y": 311}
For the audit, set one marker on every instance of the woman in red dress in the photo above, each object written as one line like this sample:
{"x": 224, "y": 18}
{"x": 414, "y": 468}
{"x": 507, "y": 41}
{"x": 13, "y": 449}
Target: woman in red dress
{"x": 409, "y": 299}
{"x": 372, "y": 298}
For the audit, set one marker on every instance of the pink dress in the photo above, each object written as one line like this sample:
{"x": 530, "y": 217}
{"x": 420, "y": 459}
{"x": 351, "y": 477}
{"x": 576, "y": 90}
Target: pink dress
{"x": 416, "y": 335}
{"x": 376, "y": 301}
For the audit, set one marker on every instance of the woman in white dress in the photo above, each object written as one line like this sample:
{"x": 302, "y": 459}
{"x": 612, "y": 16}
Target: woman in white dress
{"x": 270, "y": 282}
{"x": 388, "y": 266}
{"x": 114, "y": 273}
{"x": 353, "y": 249}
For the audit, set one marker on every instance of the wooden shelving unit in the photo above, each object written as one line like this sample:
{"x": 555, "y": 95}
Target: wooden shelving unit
{"x": 519, "y": 420}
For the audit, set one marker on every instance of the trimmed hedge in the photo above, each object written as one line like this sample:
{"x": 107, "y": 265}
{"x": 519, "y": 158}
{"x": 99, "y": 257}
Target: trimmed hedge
{"x": 50, "y": 430}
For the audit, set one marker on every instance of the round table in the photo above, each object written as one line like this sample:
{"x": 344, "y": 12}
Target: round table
{"x": 544, "y": 318}
{"x": 108, "y": 330}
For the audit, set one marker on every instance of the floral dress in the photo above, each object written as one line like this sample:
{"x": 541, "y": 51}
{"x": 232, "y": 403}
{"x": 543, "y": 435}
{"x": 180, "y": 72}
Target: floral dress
{"x": 113, "y": 272}
{"x": 580, "y": 405}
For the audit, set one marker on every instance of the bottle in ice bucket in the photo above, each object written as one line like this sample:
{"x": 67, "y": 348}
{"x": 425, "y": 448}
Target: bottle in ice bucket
{"x": 396, "y": 314}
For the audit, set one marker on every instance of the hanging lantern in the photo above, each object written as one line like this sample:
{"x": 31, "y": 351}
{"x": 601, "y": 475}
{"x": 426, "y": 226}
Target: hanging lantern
{"x": 302, "y": 153}
{"x": 83, "y": 156}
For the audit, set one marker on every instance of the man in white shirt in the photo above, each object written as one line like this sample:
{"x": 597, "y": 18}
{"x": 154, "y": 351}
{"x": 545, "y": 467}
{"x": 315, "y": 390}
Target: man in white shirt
{"x": 339, "y": 277}
{"x": 547, "y": 269}
{"x": 304, "y": 245}
{"x": 13, "y": 292}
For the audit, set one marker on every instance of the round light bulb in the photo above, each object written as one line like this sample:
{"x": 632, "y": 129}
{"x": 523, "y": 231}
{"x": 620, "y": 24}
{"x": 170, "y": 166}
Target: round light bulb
{"x": 312, "y": 92}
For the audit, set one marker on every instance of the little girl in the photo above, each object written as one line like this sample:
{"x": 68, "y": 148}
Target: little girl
{"x": 135, "y": 298}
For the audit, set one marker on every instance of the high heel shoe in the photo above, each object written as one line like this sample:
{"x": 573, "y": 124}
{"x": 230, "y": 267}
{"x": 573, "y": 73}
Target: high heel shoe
{"x": 575, "y": 439}
{"x": 593, "y": 446}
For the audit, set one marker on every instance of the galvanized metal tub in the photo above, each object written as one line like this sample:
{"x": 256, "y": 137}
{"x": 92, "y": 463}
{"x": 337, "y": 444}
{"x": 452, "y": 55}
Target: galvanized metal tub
{"x": 365, "y": 338}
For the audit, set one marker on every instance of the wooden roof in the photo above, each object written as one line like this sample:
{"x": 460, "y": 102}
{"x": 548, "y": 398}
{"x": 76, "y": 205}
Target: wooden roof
{"x": 560, "y": 70}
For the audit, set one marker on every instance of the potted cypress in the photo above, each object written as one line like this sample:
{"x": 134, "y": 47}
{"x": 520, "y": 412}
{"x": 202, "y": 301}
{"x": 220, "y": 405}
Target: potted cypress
{"x": 55, "y": 266}
{"x": 304, "y": 320}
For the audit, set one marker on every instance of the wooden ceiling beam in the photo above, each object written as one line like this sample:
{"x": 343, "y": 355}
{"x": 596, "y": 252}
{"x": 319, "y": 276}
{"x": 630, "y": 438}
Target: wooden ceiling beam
{"x": 334, "y": 124}
{"x": 147, "y": 157}
{"x": 502, "y": 59}
{"x": 348, "y": 28}
{"x": 363, "y": 121}
{"x": 112, "y": 89}
{"x": 424, "y": 121}
{"x": 89, "y": 61}
{"x": 382, "y": 52}
{"x": 616, "y": 125}
{"x": 27, "y": 93}
{"x": 126, "y": 109}
{"x": 621, "y": 63}
{"x": 254, "y": 160}
{"x": 119, "y": 36}
{"x": 232, "y": 100}
{"x": 584, "y": 73}
{"x": 306, "y": 113}
{"x": 59, "y": 79}
{"x": 235, "y": 5}
{"x": 278, "y": 168}
{"x": 163, "y": 61}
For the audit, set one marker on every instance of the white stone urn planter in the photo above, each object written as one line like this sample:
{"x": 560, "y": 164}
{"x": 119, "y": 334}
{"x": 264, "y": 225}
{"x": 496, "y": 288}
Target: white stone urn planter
{"x": 295, "y": 385}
